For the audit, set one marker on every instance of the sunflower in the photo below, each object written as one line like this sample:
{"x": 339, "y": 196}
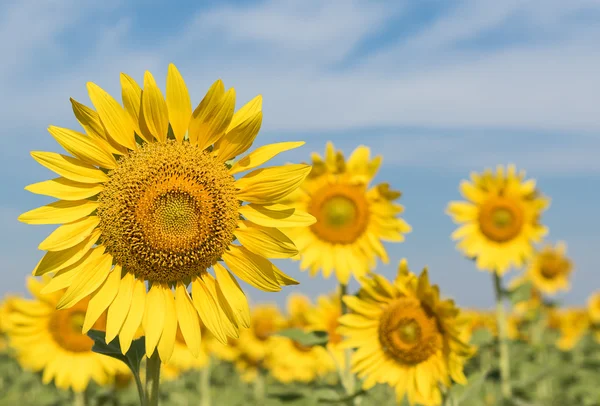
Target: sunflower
{"x": 573, "y": 323}
{"x": 500, "y": 221}
{"x": 50, "y": 340}
{"x": 325, "y": 317}
{"x": 4, "y": 322}
{"x": 477, "y": 320}
{"x": 183, "y": 359}
{"x": 149, "y": 198}
{"x": 291, "y": 361}
{"x": 352, "y": 218}
{"x": 405, "y": 336}
{"x": 594, "y": 314}
{"x": 550, "y": 269}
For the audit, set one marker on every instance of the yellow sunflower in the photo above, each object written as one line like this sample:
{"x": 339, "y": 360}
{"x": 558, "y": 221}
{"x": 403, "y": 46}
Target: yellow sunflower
{"x": 550, "y": 269}
{"x": 594, "y": 314}
{"x": 573, "y": 324}
{"x": 149, "y": 198}
{"x": 291, "y": 361}
{"x": 476, "y": 320}
{"x": 405, "y": 336}
{"x": 50, "y": 340}
{"x": 4, "y": 322}
{"x": 325, "y": 317}
{"x": 183, "y": 359}
{"x": 500, "y": 221}
{"x": 352, "y": 217}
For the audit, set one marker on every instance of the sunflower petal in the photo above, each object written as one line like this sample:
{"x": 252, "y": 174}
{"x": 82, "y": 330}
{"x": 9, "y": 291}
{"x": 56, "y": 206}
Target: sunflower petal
{"x": 65, "y": 189}
{"x": 267, "y": 184}
{"x": 65, "y": 276}
{"x": 233, "y": 294}
{"x": 134, "y": 316}
{"x": 154, "y": 316}
{"x": 276, "y": 215}
{"x": 83, "y": 147}
{"x": 90, "y": 121}
{"x": 209, "y": 124}
{"x": 118, "y": 309}
{"x": 62, "y": 211}
{"x": 154, "y": 109}
{"x": 189, "y": 321}
{"x": 201, "y": 112}
{"x": 71, "y": 168}
{"x": 207, "y": 308}
{"x": 251, "y": 268}
{"x": 70, "y": 234}
{"x": 131, "y": 93}
{"x": 283, "y": 279}
{"x": 113, "y": 116}
{"x": 167, "y": 338}
{"x": 266, "y": 241}
{"x": 228, "y": 320}
{"x": 261, "y": 155}
{"x": 178, "y": 103}
{"x": 237, "y": 140}
{"x": 54, "y": 261}
{"x": 102, "y": 298}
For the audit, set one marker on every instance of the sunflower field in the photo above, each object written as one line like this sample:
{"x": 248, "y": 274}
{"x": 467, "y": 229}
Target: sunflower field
{"x": 165, "y": 214}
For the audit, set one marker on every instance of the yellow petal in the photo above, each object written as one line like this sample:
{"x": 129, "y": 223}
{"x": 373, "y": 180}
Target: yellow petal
{"x": 282, "y": 278}
{"x": 276, "y": 215}
{"x": 167, "y": 338}
{"x": 54, "y": 261}
{"x": 202, "y": 112}
{"x": 233, "y": 294}
{"x": 154, "y": 316}
{"x": 134, "y": 316}
{"x": 265, "y": 241}
{"x": 189, "y": 321}
{"x": 207, "y": 308}
{"x": 131, "y": 93}
{"x": 70, "y": 234}
{"x": 118, "y": 309}
{"x": 62, "y": 211}
{"x": 83, "y": 147}
{"x": 212, "y": 116}
{"x": 239, "y": 139}
{"x": 154, "y": 109}
{"x": 228, "y": 320}
{"x": 70, "y": 168}
{"x": 87, "y": 281}
{"x": 178, "y": 103}
{"x": 266, "y": 185}
{"x": 251, "y": 268}
{"x": 113, "y": 116}
{"x": 102, "y": 298}
{"x": 65, "y": 189}
{"x": 261, "y": 155}
{"x": 65, "y": 276}
{"x": 90, "y": 121}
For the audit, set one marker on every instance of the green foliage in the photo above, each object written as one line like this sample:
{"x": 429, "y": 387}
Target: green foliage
{"x": 306, "y": 338}
{"x": 520, "y": 293}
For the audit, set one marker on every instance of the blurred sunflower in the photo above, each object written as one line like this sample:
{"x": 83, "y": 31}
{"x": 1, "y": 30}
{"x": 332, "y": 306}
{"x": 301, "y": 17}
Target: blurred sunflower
{"x": 183, "y": 359}
{"x": 291, "y": 361}
{"x": 352, "y": 218}
{"x": 405, "y": 336}
{"x": 50, "y": 340}
{"x": 476, "y": 320}
{"x": 594, "y": 314}
{"x": 517, "y": 326}
{"x": 534, "y": 301}
{"x": 4, "y": 322}
{"x": 500, "y": 221}
{"x": 573, "y": 325}
{"x": 550, "y": 269}
{"x": 149, "y": 197}
{"x": 325, "y": 317}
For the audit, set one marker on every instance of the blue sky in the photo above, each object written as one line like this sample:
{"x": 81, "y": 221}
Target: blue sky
{"x": 440, "y": 88}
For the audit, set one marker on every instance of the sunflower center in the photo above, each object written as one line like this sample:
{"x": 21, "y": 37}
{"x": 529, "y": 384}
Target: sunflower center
{"x": 552, "y": 266}
{"x": 65, "y": 326}
{"x": 501, "y": 219}
{"x": 342, "y": 212}
{"x": 263, "y": 328}
{"x": 168, "y": 211}
{"x": 409, "y": 332}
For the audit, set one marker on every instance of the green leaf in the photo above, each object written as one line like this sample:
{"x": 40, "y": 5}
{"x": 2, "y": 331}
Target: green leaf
{"x": 306, "y": 338}
{"x": 482, "y": 337}
{"x": 341, "y": 400}
{"x": 132, "y": 358}
{"x": 521, "y": 293}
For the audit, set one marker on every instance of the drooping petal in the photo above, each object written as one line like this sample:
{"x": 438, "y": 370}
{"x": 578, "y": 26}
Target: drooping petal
{"x": 54, "y": 261}
{"x": 83, "y": 147}
{"x": 62, "y": 211}
{"x": 154, "y": 109}
{"x": 251, "y": 268}
{"x": 134, "y": 316}
{"x": 102, "y": 298}
{"x": 233, "y": 294}
{"x": 70, "y": 234}
{"x": 261, "y": 155}
{"x": 65, "y": 189}
{"x": 207, "y": 308}
{"x": 118, "y": 309}
{"x": 276, "y": 215}
{"x": 179, "y": 104}
{"x": 189, "y": 321}
{"x": 265, "y": 185}
{"x": 154, "y": 316}
{"x": 113, "y": 116}
{"x": 167, "y": 338}
{"x": 71, "y": 168}
{"x": 266, "y": 241}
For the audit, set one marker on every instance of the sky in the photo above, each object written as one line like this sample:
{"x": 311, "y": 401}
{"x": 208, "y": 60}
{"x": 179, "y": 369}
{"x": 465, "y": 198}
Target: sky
{"x": 439, "y": 88}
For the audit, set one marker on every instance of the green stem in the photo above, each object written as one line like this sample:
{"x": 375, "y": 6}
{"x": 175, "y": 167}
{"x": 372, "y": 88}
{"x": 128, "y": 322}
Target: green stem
{"x": 79, "y": 399}
{"x": 506, "y": 389}
{"x": 205, "y": 384}
{"x": 259, "y": 388}
{"x": 152, "y": 379}
{"x": 140, "y": 388}
{"x": 346, "y": 376}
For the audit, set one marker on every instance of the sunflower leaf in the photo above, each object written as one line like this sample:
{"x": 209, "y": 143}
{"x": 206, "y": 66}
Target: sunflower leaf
{"x": 305, "y": 338}
{"x": 521, "y": 293}
{"x": 132, "y": 358}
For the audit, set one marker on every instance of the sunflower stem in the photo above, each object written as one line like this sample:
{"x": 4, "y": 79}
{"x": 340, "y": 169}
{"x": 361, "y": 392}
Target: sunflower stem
{"x": 205, "y": 384}
{"x": 152, "y": 380}
{"x": 505, "y": 386}
{"x": 346, "y": 375}
{"x": 140, "y": 388}
{"x": 259, "y": 388}
{"x": 79, "y": 399}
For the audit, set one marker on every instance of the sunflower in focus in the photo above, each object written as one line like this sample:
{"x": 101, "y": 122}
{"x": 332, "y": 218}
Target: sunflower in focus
{"x": 148, "y": 197}
{"x": 500, "y": 220}
{"x": 405, "y": 336}
{"x": 325, "y": 317}
{"x": 352, "y": 216}
{"x": 50, "y": 340}
{"x": 291, "y": 361}
{"x": 550, "y": 269}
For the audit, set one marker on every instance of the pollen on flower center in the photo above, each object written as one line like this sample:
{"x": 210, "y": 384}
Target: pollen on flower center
{"x": 501, "y": 219}
{"x": 342, "y": 213}
{"x": 408, "y": 332}
{"x": 168, "y": 211}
